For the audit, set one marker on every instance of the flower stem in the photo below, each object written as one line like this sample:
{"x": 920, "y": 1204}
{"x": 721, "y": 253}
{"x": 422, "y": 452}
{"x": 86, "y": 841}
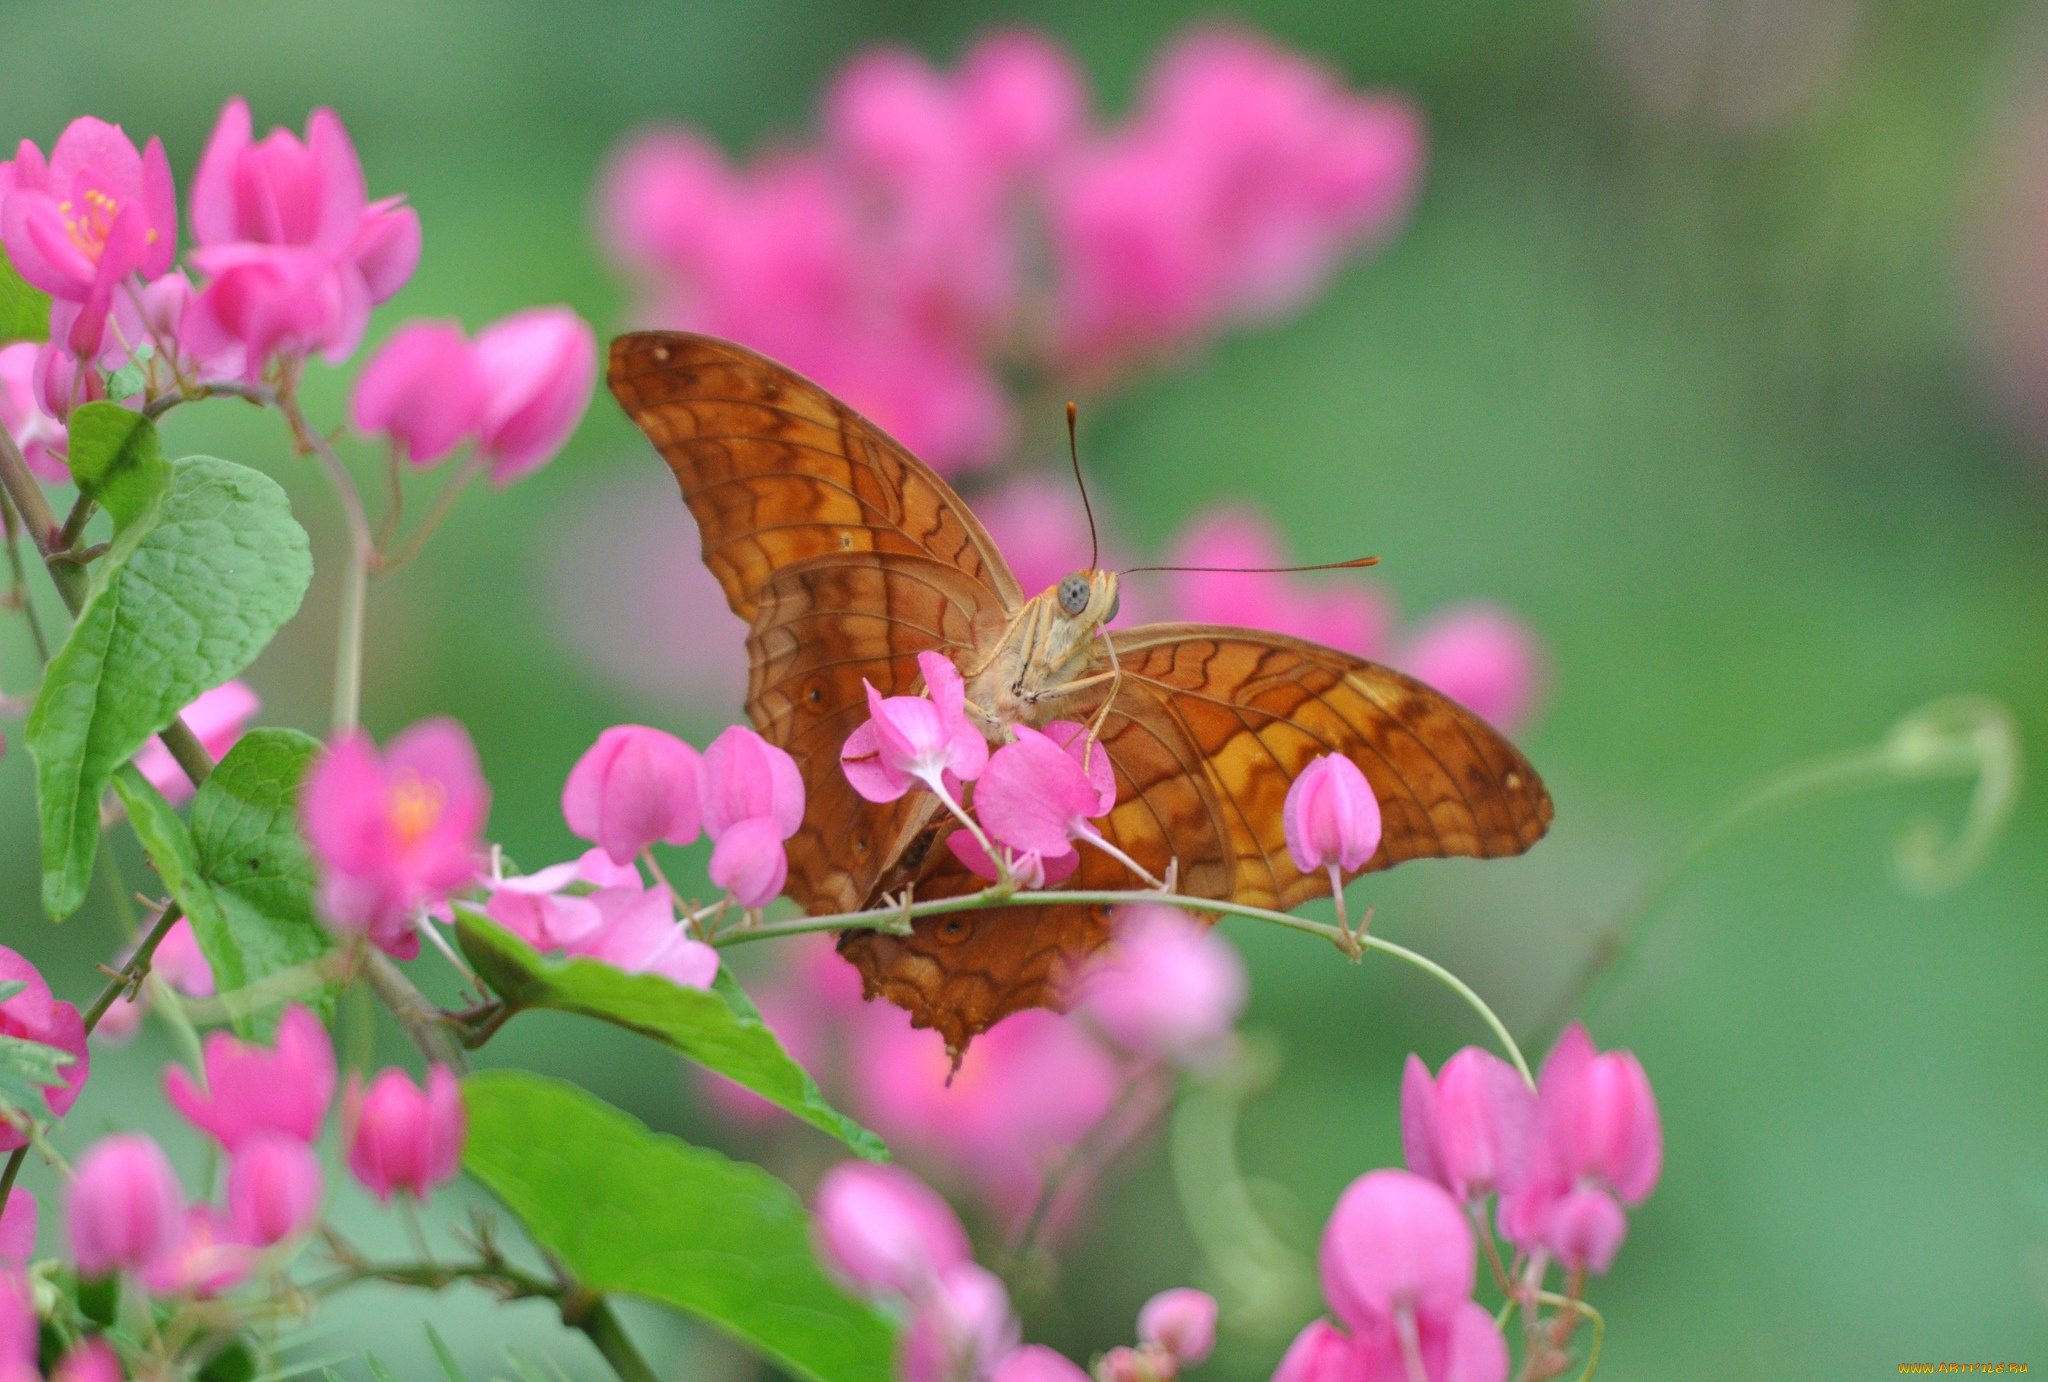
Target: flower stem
{"x": 601, "y": 1325}
{"x": 19, "y": 572}
{"x": 443, "y": 502}
{"x": 1578, "y": 1306}
{"x": 362, "y": 555}
{"x": 424, "y": 1023}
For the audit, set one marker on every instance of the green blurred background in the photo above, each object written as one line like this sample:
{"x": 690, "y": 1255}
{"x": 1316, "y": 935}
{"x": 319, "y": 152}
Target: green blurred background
{"x": 1714, "y": 347}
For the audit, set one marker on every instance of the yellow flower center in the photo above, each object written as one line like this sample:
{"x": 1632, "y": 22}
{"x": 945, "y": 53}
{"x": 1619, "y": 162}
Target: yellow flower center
{"x": 87, "y": 227}
{"x": 414, "y": 808}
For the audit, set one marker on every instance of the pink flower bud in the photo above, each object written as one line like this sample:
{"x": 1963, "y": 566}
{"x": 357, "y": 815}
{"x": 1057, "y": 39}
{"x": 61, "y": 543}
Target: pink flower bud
{"x": 92, "y": 1360}
{"x": 1037, "y": 1363}
{"x": 1468, "y": 1129}
{"x": 1126, "y": 1364}
{"x": 1395, "y": 1241}
{"x": 401, "y": 1137}
{"x": 960, "y": 1325}
{"x": 1168, "y": 987}
{"x": 422, "y": 387}
{"x": 274, "y": 1189}
{"x": 205, "y": 1260}
{"x": 251, "y": 1090}
{"x": 750, "y": 861}
{"x": 37, "y": 1015}
{"x": 744, "y": 777}
{"x": 634, "y": 786}
{"x": 1481, "y": 657}
{"x": 1320, "y": 1353}
{"x": 912, "y": 739}
{"x": 885, "y": 1230}
{"x": 1331, "y": 817}
{"x": 124, "y": 1208}
{"x": 218, "y": 718}
{"x": 41, "y": 437}
{"x": 397, "y": 832}
{"x": 538, "y": 368}
{"x": 1181, "y": 1321}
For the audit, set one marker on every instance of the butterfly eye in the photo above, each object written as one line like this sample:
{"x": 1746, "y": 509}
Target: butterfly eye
{"x": 1074, "y": 594}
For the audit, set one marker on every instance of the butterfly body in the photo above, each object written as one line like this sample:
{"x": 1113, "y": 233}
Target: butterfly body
{"x": 847, "y": 557}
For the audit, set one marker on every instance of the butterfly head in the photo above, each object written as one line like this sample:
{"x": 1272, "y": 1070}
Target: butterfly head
{"x": 1088, "y": 598}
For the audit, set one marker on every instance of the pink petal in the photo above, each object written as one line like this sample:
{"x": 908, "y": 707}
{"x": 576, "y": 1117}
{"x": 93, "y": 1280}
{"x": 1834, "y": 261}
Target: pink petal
{"x": 750, "y": 862}
{"x": 213, "y": 186}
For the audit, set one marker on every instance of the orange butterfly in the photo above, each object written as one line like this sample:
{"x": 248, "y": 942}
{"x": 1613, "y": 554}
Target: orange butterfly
{"x": 847, "y": 557}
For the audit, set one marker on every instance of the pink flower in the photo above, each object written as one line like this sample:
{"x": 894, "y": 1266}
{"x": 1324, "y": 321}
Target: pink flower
{"x": 911, "y": 739}
{"x": 1024, "y": 1093}
{"x": 401, "y": 1138}
{"x": 423, "y": 388}
{"x": 1343, "y": 614}
{"x": 20, "y": 1331}
{"x": 1468, "y": 1129}
{"x": 252, "y": 1091}
{"x": 1181, "y": 1321}
{"x": 538, "y": 368}
{"x": 270, "y": 300}
{"x": 395, "y": 833}
{"x": 638, "y": 934}
{"x": 1037, "y": 1363}
{"x": 17, "y": 1230}
{"x": 218, "y": 718}
{"x": 99, "y": 213}
{"x": 1598, "y": 1145}
{"x": 633, "y": 787}
{"x": 92, "y": 1360}
{"x": 310, "y": 195}
{"x": 36, "y": 1015}
{"x": 753, "y": 801}
{"x": 1395, "y": 1242}
{"x": 1023, "y": 102}
{"x": 1320, "y": 1353}
{"x": 1480, "y": 656}
{"x": 42, "y": 438}
{"x": 1331, "y": 817}
{"x": 1168, "y": 987}
{"x": 274, "y": 1189}
{"x": 533, "y": 907}
{"x": 884, "y": 1230}
{"x": 124, "y": 1208}
{"x": 1036, "y": 797}
{"x": 182, "y": 963}
{"x": 1031, "y": 871}
{"x": 960, "y": 1327}
{"x": 205, "y": 1260}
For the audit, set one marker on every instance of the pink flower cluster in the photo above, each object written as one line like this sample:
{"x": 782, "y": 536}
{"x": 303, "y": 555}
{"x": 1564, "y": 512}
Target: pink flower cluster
{"x": 1398, "y": 1256}
{"x": 891, "y": 1237}
{"x": 264, "y": 1106}
{"x": 35, "y": 1014}
{"x": 1163, "y": 998}
{"x": 948, "y": 224}
{"x": 291, "y": 253}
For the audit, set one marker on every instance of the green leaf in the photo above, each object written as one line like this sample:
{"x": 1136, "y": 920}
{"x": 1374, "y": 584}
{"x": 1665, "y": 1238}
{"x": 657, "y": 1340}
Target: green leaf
{"x": 443, "y": 1355}
{"x": 24, "y": 309}
{"x": 718, "y": 1033}
{"x": 188, "y": 595}
{"x": 628, "y": 1210}
{"x": 245, "y": 824}
{"x": 27, "y": 1068}
{"x": 377, "y": 1368}
{"x": 125, "y": 382}
{"x": 170, "y": 848}
{"x": 117, "y": 460}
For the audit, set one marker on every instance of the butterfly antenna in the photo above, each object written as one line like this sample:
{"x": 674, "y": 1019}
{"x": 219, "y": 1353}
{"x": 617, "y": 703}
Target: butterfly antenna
{"x": 1074, "y": 450}
{"x": 1265, "y": 570}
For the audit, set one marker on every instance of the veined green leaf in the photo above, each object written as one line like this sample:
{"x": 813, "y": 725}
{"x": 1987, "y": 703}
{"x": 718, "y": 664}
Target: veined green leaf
{"x": 628, "y": 1210}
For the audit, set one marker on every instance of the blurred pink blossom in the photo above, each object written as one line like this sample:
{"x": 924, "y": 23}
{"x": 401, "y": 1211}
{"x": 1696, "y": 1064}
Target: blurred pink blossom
{"x": 395, "y": 832}
{"x": 96, "y": 214}
{"x": 884, "y": 1230}
{"x": 18, "y": 1229}
{"x": 205, "y": 1259}
{"x": 633, "y": 787}
{"x": 1025, "y": 1091}
{"x": 1482, "y": 657}
{"x": 1168, "y": 986}
{"x": 218, "y": 718}
{"x": 1468, "y": 1128}
{"x": 1182, "y": 1321}
{"x": 41, "y": 437}
{"x": 422, "y": 388}
{"x": 182, "y": 963}
{"x": 274, "y": 1189}
{"x": 20, "y": 1330}
{"x": 92, "y": 1360}
{"x": 123, "y": 1207}
{"x": 961, "y": 1326}
{"x": 538, "y": 368}
{"x": 35, "y": 1014}
{"x": 252, "y": 1091}
{"x": 1598, "y": 1145}
{"x": 400, "y": 1137}
{"x": 1037, "y": 1363}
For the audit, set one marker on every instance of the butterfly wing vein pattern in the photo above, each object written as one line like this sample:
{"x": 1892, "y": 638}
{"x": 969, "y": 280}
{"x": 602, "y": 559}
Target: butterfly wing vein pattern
{"x": 847, "y": 557}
